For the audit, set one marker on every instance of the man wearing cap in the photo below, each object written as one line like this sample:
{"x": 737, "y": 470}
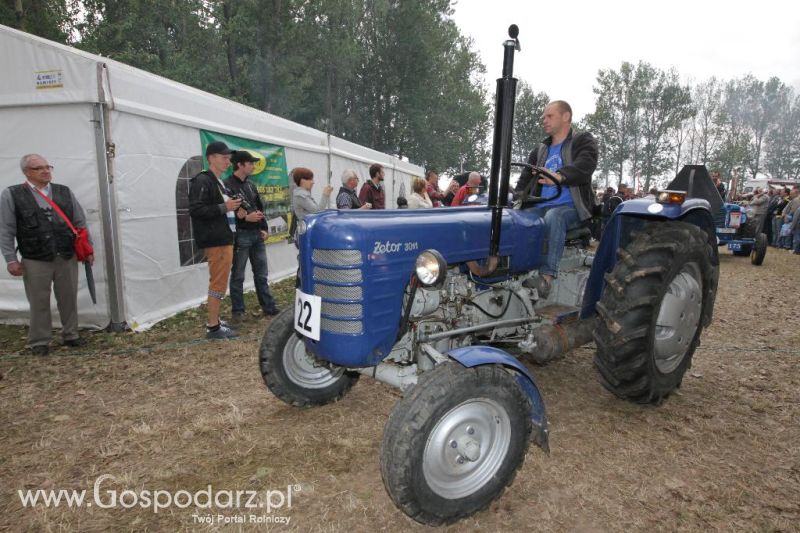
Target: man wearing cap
{"x": 46, "y": 244}
{"x": 251, "y": 232}
{"x": 213, "y": 225}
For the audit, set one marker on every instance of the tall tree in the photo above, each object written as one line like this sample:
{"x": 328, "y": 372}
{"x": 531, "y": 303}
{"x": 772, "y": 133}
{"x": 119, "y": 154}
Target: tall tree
{"x": 665, "y": 105}
{"x": 783, "y": 141}
{"x": 616, "y": 116}
{"x": 528, "y": 111}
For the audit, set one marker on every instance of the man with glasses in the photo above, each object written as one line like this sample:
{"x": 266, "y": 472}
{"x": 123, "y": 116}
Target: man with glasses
{"x": 347, "y": 197}
{"x": 46, "y": 244}
{"x": 213, "y": 225}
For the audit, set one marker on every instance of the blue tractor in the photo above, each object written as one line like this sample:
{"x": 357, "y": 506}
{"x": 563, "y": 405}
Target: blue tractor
{"x": 738, "y": 232}
{"x": 433, "y": 302}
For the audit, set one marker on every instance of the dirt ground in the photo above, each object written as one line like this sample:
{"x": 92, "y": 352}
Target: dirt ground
{"x": 164, "y": 411}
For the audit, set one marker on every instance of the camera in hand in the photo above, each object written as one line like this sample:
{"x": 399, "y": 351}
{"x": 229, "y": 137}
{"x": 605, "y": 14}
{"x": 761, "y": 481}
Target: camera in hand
{"x": 247, "y": 206}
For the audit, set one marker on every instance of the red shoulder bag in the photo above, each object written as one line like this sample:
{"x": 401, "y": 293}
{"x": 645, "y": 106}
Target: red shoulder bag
{"x": 83, "y": 248}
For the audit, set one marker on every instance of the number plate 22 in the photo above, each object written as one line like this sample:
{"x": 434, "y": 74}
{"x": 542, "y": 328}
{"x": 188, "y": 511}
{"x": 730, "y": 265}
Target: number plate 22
{"x": 307, "y": 309}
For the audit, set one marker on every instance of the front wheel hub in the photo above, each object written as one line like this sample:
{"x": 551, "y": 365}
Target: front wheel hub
{"x": 466, "y": 448}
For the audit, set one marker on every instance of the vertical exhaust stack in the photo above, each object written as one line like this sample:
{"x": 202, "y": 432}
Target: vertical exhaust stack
{"x": 500, "y": 173}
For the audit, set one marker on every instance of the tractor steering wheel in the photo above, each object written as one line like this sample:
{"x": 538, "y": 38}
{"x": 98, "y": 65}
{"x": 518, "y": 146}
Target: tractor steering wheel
{"x": 538, "y": 172}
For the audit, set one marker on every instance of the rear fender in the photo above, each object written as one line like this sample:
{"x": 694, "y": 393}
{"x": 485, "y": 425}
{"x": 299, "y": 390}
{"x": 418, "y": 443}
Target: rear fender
{"x": 472, "y": 356}
{"x": 631, "y": 216}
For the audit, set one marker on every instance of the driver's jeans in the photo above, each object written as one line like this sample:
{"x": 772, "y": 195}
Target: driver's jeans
{"x": 557, "y": 220}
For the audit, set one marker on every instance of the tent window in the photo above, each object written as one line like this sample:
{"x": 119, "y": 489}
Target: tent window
{"x": 190, "y": 254}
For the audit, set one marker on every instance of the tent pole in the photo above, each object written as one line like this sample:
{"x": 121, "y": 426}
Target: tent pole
{"x": 108, "y": 215}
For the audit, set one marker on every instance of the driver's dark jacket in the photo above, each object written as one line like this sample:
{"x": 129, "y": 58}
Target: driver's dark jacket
{"x": 579, "y": 157}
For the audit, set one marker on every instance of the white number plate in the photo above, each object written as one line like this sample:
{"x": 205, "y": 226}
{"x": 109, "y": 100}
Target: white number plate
{"x": 735, "y": 221}
{"x": 726, "y": 230}
{"x": 307, "y": 309}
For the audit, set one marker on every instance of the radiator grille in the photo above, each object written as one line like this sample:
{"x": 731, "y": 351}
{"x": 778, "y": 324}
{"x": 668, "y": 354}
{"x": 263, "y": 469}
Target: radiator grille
{"x": 337, "y": 293}
{"x": 337, "y": 257}
{"x": 342, "y": 326}
{"x": 352, "y": 275}
{"x": 342, "y": 310}
{"x": 346, "y": 286}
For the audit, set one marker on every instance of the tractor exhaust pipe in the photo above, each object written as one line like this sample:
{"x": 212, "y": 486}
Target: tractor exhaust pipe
{"x": 500, "y": 172}
{"x": 547, "y": 343}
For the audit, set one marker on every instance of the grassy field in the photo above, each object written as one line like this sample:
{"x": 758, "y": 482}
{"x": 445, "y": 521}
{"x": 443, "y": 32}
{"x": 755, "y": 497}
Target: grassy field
{"x": 167, "y": 410}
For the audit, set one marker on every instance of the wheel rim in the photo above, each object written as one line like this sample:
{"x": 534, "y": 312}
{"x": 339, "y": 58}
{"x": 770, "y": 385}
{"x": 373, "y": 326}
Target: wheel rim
{"x": 302, "y": 369}
{"x": 466, "y": 448}
{"x": 678, "y": 318}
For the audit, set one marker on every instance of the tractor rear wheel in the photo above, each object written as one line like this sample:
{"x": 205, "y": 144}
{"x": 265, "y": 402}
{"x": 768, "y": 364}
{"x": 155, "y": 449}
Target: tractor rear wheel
{"x": 652, "y": 311}
{"x": 759, "y": 249}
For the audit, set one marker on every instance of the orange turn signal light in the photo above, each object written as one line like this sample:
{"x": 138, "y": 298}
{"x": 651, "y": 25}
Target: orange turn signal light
{"x": 671, "y": 197}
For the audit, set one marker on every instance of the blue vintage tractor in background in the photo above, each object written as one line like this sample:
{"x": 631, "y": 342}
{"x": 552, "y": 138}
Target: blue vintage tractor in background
{"x": 433, "y": 302}
{"x": 737, "y": 231}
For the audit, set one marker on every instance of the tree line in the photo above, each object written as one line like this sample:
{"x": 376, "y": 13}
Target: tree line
{"x": 399, "y": 77}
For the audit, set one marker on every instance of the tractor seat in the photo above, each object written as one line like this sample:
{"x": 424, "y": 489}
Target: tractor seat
{"x": 578, "y": 236}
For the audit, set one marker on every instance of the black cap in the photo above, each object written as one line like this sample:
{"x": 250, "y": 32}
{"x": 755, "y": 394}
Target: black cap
{"x": 242, "y": 156}
{"x": 217, "y": 147}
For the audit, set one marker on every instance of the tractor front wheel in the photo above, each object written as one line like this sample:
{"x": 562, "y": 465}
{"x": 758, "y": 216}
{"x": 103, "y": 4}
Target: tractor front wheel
{"x": 293, "y": 374}
{"x": 454, "y": 443}
{"x": 652, "y": 310}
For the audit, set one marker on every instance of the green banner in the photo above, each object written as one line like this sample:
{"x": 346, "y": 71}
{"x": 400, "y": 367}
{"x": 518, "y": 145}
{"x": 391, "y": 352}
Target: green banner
{"x": 269, "y": 176}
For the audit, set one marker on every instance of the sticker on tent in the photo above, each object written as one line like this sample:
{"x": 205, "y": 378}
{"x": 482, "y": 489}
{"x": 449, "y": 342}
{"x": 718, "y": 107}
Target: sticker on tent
{"x": 49, "y": 79}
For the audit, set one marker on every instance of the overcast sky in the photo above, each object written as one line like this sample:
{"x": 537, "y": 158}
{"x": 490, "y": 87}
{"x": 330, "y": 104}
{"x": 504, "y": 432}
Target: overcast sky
{"x": 564, "y": 44}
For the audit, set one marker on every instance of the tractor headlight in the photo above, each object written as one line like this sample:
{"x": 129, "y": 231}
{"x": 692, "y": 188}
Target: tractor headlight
{"x": 301, "y": 227}
{"x": 431, "y": 268}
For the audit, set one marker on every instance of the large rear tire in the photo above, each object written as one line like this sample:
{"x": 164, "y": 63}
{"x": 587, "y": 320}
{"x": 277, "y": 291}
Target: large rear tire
{"x": 759, "y": 250}
{"x": 652, "y": 311}
{"x": 455, "y": 442}
{"x": 294, "y": 375}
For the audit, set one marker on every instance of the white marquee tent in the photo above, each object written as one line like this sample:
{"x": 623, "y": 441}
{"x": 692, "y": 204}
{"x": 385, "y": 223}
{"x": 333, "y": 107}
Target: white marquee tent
{"x": 121, "y": 138}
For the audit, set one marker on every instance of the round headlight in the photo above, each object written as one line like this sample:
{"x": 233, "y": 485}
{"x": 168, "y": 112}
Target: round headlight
{"x": 301, "y": 227}
{"x": 431, "y": 268}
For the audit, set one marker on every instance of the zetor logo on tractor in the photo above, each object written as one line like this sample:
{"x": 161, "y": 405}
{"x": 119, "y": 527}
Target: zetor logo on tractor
{"x": 421, "y": 299}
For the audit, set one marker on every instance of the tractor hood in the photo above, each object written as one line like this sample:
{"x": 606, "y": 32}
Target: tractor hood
{"x": 360, "y": 263}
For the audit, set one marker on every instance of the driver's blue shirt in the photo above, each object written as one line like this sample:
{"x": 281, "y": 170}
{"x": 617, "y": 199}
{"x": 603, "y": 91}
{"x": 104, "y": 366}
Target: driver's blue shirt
{"x": 552, "y": 164}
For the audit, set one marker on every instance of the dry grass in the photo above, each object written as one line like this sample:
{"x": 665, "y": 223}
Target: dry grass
{"x": 160, "y": 410}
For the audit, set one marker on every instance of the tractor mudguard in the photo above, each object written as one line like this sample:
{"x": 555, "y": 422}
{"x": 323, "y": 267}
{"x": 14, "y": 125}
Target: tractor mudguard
{"x": 629, "y": 217}
{"x": 471, "y": 356}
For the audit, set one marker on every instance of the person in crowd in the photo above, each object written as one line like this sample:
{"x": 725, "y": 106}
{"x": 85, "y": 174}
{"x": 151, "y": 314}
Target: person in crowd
{"x": 715, "y": 177}
{"x": 795, "y": 231}
{"x": 46, "y": 244}
{"x": 347, "y": 197}
{"x": 402, "y": 203}
{"x": 793, "y": 202}
{"x": 470, "y": 187}
{"x": 373, "y": 192}
{"x": 302, "y": 202}
{"x": 248, "y": 243}
{"x": 212, "y": 211}
{"x": 758, "y": 209}
{"x": 777, "y": 204}
{"x": 432, "y": 188}
{"x": 572, "y": 158}
{"x": 452, "y": 189}
{"x": 419, "y": 198}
